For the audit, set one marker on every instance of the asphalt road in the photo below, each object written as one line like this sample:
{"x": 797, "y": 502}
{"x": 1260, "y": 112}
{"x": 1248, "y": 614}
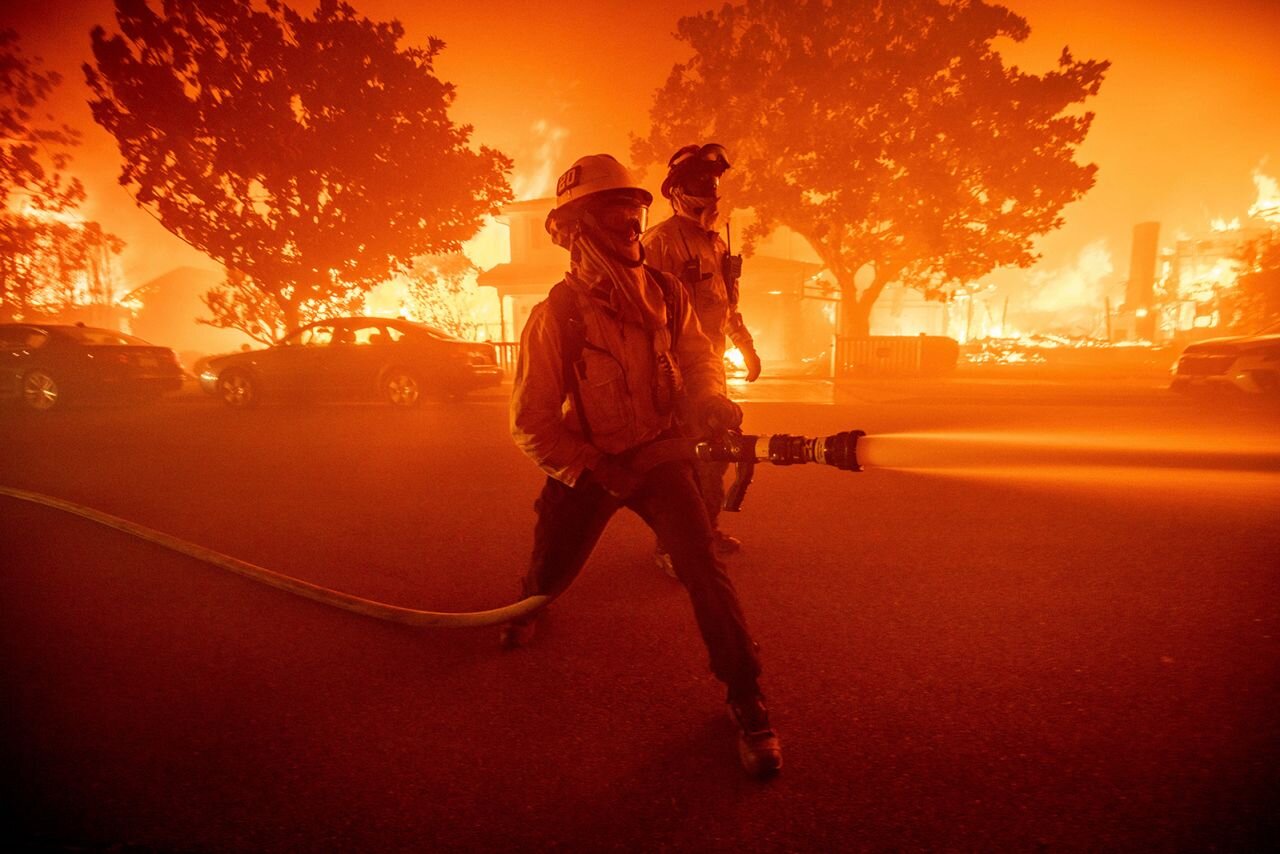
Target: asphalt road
{"x": 1048, "y": 621}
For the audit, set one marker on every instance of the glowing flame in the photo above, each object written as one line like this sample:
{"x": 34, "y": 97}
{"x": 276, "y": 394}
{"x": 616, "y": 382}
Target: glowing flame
{"x": 1267, "y": 205}
{"x": 537, "y": 182}
{"x": 65, "y": 217}
{"x": 1066, "y": 297}
{"x": 1202, "y": 284}
{"x": 1076, "y": 286}
{"x": 1220, "y": 225}
{"x": 490, "y": 246}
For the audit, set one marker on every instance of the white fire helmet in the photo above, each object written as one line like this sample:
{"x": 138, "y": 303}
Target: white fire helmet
{"x": 589, "y": 176}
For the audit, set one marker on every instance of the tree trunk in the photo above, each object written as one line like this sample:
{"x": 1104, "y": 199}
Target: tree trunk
{"x": 289, "y": 308}
{"x": 855, "y": 318}
{"x": 855, "y": 315}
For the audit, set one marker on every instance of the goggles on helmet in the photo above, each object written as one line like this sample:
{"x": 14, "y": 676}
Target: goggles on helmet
{"x": 620, "y": 217}
{"x": 711, "y": 155}
{"x": 701, "y": 184}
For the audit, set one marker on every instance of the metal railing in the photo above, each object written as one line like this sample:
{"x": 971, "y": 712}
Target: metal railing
{"x": 508, "y": 353}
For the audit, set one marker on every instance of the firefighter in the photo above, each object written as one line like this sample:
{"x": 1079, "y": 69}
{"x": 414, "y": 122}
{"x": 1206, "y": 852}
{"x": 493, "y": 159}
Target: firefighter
{"x": 606, "y": 363}
{"x": 688, "y": 246}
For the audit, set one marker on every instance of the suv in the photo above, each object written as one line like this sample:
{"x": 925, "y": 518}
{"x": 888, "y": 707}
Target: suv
{"x": 1245, "y": 363}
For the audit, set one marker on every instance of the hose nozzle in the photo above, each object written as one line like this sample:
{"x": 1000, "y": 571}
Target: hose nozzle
{"x": 783, "y": 449}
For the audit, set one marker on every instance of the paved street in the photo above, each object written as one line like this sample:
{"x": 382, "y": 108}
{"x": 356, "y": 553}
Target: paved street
{"x": 1050, "y": 620}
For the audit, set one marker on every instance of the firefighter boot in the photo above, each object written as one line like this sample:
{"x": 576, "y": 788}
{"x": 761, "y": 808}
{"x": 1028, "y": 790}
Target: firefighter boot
{"x": 759, "y": 748}
{"x": 725, "y": 544}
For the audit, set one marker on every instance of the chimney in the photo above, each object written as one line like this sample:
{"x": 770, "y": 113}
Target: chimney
{"x": 1142, "y": 266}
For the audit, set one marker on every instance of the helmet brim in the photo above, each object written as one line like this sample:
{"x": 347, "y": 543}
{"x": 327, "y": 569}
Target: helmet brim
{"x": 574, "y": 209}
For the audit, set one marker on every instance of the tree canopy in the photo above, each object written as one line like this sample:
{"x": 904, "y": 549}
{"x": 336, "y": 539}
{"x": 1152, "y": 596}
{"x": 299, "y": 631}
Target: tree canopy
{"x": 51, "y": 260}
{"x": 888, "y": 135}
{"x": 311, "y": 155}
{"x": 34, "y": 151}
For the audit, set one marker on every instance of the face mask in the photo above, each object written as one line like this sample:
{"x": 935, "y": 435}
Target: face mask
{"x": 704, "y": 209}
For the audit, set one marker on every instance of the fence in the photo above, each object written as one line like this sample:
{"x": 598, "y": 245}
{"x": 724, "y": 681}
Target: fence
{"x": 508, "y": 353}
{"x": 895, "y": 355}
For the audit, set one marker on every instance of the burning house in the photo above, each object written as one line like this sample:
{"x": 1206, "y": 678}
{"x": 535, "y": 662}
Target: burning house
{"x": 1199, "y": 275}
{"x": 789, "y": 306}
{"x": 58, "y": 266}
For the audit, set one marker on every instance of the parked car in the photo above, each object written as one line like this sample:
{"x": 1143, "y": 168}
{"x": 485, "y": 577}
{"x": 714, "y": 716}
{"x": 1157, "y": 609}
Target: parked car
{"x": 397, "y": 361}
{"x": 42, "y": 366}
{"x": 1244, "y": 363}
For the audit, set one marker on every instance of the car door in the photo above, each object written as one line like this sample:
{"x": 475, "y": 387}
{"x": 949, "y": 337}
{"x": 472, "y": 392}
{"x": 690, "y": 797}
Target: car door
{"x": 291, "y": 368}
{"x": 373, "y": 341}
{"x": 15, "y": 355}
{"x": 349, "y": 366}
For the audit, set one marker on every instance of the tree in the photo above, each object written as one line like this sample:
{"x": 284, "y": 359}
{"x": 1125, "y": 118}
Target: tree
{"x": 890, "y": 136}
{"x": 33, "y": 152}
{"x": 239, "y": 302}
{"x": 440, "y": 288}
{"x": 51, "y": 258}
{"x": 1258, "y": 287}
{"x": 53, "y": 263}
{"x": 310, "y": 155}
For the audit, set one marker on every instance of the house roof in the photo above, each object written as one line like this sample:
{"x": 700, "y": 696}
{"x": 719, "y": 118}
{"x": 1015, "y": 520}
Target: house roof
{"x": 522, "y": 278}
{"x": 186, "y": 280}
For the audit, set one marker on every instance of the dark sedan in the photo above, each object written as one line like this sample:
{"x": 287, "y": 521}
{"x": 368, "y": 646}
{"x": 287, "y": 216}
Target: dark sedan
{"x": 1243, "y": 363}
{"x": 44, "y": 365}
{"x": 397, "y": 361}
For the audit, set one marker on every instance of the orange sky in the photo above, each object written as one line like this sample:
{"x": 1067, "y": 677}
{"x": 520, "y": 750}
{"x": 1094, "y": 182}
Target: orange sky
{"x": 1190, "y": 107}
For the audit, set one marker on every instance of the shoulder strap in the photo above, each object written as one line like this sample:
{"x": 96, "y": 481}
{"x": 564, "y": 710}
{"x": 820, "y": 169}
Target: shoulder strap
{"x": 673, "y": 294}
{"x": 573, "y": 340}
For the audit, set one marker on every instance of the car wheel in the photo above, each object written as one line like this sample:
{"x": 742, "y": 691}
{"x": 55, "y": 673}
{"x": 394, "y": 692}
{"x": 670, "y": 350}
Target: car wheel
{"x": 40, "y": 390}
{"x": 400, "y": 387}
{"x": 237, "y": 390}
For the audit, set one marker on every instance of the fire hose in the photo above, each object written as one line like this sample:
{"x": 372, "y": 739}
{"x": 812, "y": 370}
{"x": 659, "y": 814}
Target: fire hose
{"x": 839, "y": 450}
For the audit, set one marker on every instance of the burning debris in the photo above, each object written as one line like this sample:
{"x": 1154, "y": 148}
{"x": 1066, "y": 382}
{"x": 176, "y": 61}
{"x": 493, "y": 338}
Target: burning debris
{"x": 1036, "y": 349}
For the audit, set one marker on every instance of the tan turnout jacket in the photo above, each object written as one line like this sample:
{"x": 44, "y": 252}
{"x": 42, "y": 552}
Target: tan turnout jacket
{"x": 617, "y": 388}
{"x": 669, "y": 246}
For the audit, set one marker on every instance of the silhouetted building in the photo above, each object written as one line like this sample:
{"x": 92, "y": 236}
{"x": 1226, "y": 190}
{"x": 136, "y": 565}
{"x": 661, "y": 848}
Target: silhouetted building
{"x": 167, "y": 308}
{"x": 536, "y": 265}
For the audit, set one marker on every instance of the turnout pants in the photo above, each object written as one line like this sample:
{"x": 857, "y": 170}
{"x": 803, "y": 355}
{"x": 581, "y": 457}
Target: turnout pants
{"x": 711, "y": 483}
{"x": 571, "y": 520}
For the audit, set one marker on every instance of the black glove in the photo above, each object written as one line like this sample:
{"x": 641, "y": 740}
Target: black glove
{"x": 752, "y": 360}
{"x": 617, "y": 478}
{"x": 715, "y": 414}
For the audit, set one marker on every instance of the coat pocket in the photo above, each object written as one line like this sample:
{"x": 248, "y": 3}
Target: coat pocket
{"x": 604, "y": 392}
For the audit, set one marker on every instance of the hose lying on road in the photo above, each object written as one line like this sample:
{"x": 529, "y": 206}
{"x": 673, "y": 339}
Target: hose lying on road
{"x": 367, "y": 607}
{"x": 839, "y": 450}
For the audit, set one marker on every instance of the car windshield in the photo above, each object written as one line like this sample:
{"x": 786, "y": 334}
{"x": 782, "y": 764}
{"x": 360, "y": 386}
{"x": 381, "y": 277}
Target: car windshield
{"x": 91, "y": 337}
